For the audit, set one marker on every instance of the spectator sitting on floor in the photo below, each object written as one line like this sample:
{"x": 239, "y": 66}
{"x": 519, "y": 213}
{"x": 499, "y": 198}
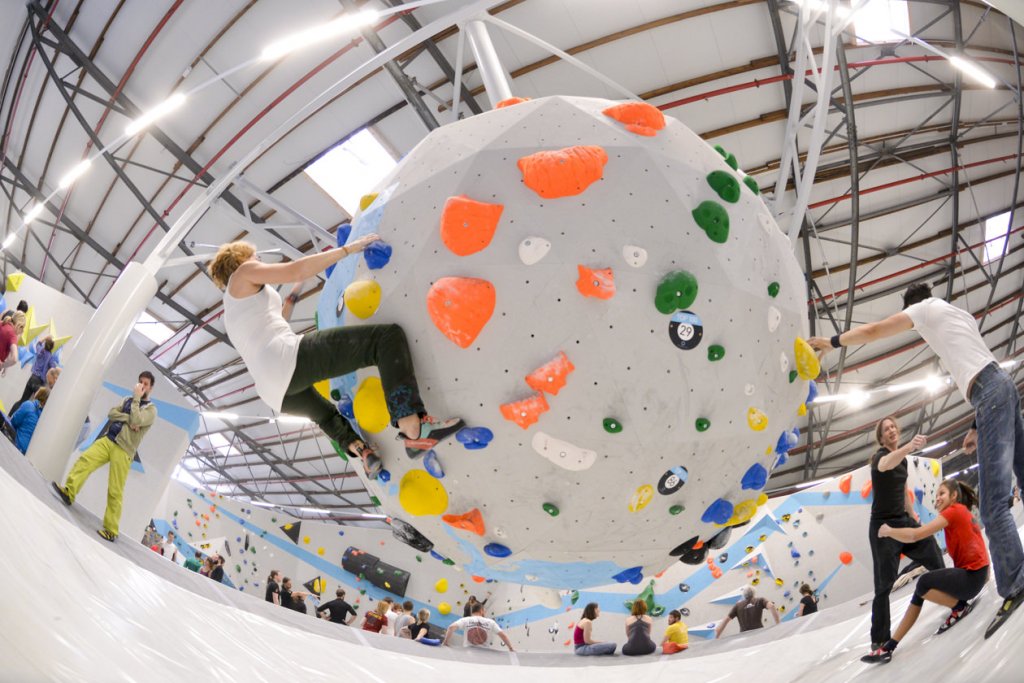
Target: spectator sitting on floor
{"x": 374, "y": 620}
{"x": 748, "y": 612}
{"x": 676, "y": 636}
{"x": 405, "y": 620}
{"x": 194, "y": 563}
{"x": 585, "y": 645}
{"x": 26, "y": 417}
{"x": 421, "y": 628}
{"x": 391, "y": 616}
{"x": 478, "y": 629}
{"x": 43, "y": 363}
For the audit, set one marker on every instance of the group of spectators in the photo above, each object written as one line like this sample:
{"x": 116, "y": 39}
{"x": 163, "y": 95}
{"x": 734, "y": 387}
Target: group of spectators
{"x": 211, "y": 567}
{"x": 638, "y": 633}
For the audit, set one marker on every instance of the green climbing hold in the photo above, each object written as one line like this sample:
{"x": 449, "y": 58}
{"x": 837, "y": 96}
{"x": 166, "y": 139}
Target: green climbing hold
{"x": 419, "y": 559}
{"x": 752, "y": 184}
{"x": 612, "y": 426}
{"x": 448, "y": 561}
{"x": 716, "y": 352}
{"x": 725, "y": 185}
{"x": 713, "y": 219}
{"x": 375, "y": 500}
{"x": 733, "y": 163}
{"x": 773, "y": 289}
{"x": 551, "y": 509}
{"x": 676, "y": 292}
{"x": 675, "y": 509}
{"x": 792, "y": 376}
{"x": 703, "y": 424}
{"x": 721, "y": 150}
{"x": 575, "y": 597}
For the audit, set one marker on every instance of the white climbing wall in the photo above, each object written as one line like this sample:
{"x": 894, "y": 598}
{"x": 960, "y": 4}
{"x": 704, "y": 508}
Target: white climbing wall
{"x": 615, "y": 321}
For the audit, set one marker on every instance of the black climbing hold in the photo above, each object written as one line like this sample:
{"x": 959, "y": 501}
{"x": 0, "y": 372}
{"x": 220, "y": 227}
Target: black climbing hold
{"x": 725, "y": 185}
{"x": 712, "y": 219}
{"x": 673, "y": 480}
{"x": 720, "y": 539}
{"x": 685, "y": 329}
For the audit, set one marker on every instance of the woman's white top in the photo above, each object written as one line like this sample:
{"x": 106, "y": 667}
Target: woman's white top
{"x": 264, "y": 340}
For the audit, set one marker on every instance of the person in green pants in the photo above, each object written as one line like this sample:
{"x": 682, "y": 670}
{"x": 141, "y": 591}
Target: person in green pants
{"x": 127, "y": 424}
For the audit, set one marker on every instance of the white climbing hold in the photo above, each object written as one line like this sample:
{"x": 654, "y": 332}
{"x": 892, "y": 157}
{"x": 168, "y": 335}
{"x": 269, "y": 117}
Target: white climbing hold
{"x": 533, "y": 249}
{"x": 634, "y": 255}
{"x": 749, "y": 390}
{"x": 784, "y": 362}
{"x": 774, "y": 318}
{"x": 562, "y": 453}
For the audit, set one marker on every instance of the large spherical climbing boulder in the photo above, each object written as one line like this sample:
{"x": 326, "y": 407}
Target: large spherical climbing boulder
{"x": 608, "y": 300}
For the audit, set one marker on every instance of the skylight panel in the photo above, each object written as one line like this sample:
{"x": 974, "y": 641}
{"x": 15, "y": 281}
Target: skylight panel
{"x": 153, "y": 329}
{"x": 997, "y": 229}
{"x": 352, "y": 169}
{"x": 880, "y": 21}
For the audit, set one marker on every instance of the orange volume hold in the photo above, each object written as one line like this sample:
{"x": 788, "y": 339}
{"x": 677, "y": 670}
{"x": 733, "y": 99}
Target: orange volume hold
{"x": 468, "y": 226}
{"x": 510, "y": 101}
{"x": 525, "y": 412}
{"x": 550, "y": 377}
{"x": 564, "y": 172}
{"x": 470, "y": 521}
{"x": 844, "y": 483}
{"x": 638, "y": 117}
{"x": 865, "y": 490}
{"x": 596, "y": 283}
{"x": 460, "y": 307}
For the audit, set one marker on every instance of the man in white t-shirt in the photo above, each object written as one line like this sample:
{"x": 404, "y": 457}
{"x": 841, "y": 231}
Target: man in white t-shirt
{"x": 391, "y": 615}
{"x": 479, "y": 629}
{"x": 998, "y": 429}
{"x": 169, "y": 550}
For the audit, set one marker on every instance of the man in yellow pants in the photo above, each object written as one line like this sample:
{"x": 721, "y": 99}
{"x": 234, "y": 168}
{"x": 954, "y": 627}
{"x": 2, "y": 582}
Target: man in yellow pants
{"x": 127, "y": 424}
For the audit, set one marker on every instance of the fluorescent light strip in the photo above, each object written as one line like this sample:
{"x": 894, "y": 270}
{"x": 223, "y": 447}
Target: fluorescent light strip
{"x": 972, "y": 70}
{"x": 34, "y": 213}
{"x": 74, "y": 174}
{"x": 318, "y": 34}
{"x": 155, "y": 114}
{"x": 820, "y": 6}
{"x": 219, "y": 416}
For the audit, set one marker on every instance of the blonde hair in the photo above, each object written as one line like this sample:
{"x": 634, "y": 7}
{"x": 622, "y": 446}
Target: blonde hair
{"x": 423, "y": 616}
{"x": 18, "y": 320}
{"x": 41, "y": 395}
{"x": 227, "y": 260}
{"x": 382, "y": 607}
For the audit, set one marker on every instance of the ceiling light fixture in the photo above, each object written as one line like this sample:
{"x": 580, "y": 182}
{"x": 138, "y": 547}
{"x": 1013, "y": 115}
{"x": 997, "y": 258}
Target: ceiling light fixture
{"x": 857, "y": 399}
{"x": 9, "y": 240}
{"x": 973, "y": 71}
{"x": 318, "y": 34}
{"x": 219, "y": 416}
{"x": 820, "y": 6}
{"x": 75, "y": 173}
{"x": 34, "y": 213}
{"x": 155, "y": 114}
{"x": 291, "y": 419}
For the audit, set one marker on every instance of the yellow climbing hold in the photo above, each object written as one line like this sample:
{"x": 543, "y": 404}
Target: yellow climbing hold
{"x": 320, "y": 551}
{"x": 323, "y": 387}
{"x": 441, "y": 586}
{"x": 641, "y": 498}
{"x": 802, "y": 410}
{"x": 362, "y": 298}
{"x": 762, "y": 499}
{"x": 60, "y": 341}
{"x": 742, "y": 512}
{"x": 935, "y": 468}
{"x": 422, "y": 494}
{"x": 756, "y": 420}
{"x": 779, "y": 582}
{"x": 444, "y": 609}
{"x": 14, "y": 281}
{"x": 807, "y": 365}
{"x": 305, "y": 539}
{"x": 369, "y": 406}
{"x": 34, "y": 331}
{"x": 366, "y": 200}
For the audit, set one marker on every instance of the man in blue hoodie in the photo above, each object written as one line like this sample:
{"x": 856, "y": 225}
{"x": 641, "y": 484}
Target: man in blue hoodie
{"x": 25, "y": 418}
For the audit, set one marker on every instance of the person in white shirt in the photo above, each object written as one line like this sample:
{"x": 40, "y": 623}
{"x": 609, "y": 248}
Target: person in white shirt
{"x": 478, "y": 629}
{"x": 998, "y": 429}
{"x": 169, "y": 550}
{"x": 392, "y": 616}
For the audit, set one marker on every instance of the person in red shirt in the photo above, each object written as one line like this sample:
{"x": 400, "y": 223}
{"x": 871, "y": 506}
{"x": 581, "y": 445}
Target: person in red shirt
{"x": 952, "y": 587}
{"x": 10, "y": 330}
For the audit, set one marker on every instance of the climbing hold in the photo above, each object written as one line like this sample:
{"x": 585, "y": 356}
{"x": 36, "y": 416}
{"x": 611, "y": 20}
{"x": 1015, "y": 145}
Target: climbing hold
{"x": 756, "y": 419}
{"x": 787, "y": 441}
{"x": 460, "y": 307}
{"x": 432, "y": 465}
{"x": 846, "y": 557}
{"x": 685, "y": 330}
{"x": 319, "y": 551}
{"x": 703, "y": 424}
{"x": 362, "y": 298}
{"x": 550, "y": 377}
{"x": 551, "y": 509}
{"x": 712, "y": 219}
{"x": 508, "y": 102}
{"x": 762, "y": 499}
{"x": 773, "y": 289}
{"x": 729, "y": 158}
{"x": 444, "y": 609}
{"x": 812, "y": 391}
{"x": 718, "y": 512}
{"x": 377, "y": 255}
{"x": 345, "y": 407}
{"x": 641, "y": 497}
{"x": 574, "y": 597}
{"x": 792, "y": 373}
{"x": 441, "y": 586}
{"x": 751, "y": 184}
{"x": 526, "y": 411}
{"x": 366, "y": 200}
{"x": 723, "y": 558}
{"x": 676, "y": 291}
{"x": 638, "y": 117}
{"x": 716, "y": 352}
{"x": 634, "y": 255}
{"x": 612, "y": 426}
{"x": 384, "y": 476}
{"x": 755, "y": 477}
{"x": 673, "y": 480}
{"x": 599, "y": 284}
{"x": 14, "y": 281}
{"x": 774, "y": 318}
{"x": 794, "y": 553}
{"x": 562, "y": 453}
{"x": 474, "y": 438}
{"x": 421, "y": 494}
{"x": 684, "y": 588}
{"x": 675, "y": 509}
{"x": 807, "y": 364}
{"x": 533, "y": 249}
{"x": 497, "y": 550}
{"x": 633, "y": 575}
{"x": 468, "y": 521}
{"x": 564, "y": 172}
{"x": 742, "y": 512}
{"x": 369, "y": 407}
{"x": 725, "y": 185}
{"x": 865, "y": 490}
{"x": 468, "y": 226}
{"x": 935, "y": 468}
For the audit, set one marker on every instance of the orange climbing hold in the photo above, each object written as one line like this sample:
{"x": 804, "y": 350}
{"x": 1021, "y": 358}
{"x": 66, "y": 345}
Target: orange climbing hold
{"x": 596, "y": 283}
{"x": 846, "y": 557}
{"x": 525, "y": 412}
{"x": 470, "y": 521}
{"x": 467, "y": 226}
{"x": 844, "y": 483}
{"x": 460, "y": 307}
{"x": 510, "y": 101}
{"x": 638, "y": 117}
{"x": 550, "y": 377}
{"x": 478, "y": 579}
{"x": 563, "y": 172}
{"x": 865, "y": 490}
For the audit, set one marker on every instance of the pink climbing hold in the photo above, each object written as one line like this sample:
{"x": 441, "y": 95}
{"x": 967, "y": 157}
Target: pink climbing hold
{"x": 550, "y": 377}
{"x": 599, "y": 284}
{"x": 460, "y": 307}
{"x": 525, "y": 412}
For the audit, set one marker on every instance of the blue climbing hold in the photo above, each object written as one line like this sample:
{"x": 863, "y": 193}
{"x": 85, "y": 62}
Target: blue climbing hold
{"x": 919, "y": 494}
{"x": 474, "y": 438}
{"x": 436, "y": 556}
{"x": 718, "y": 512}
{"x": 344, "y": 230}
{"x": 377, "y": 255}
{"x": 755, "y": 478}
{"x": 432, "y": 465}
{"x": 341, "y": 533}
{"x": 345, "y": 407}
{"x": 633, "y": 575}
{"x": 787, "y": 441}
{"x": 497, "y": 550}
{"x": 780, "y": 461}
{"x": 794, "y": 553}
{"x": 812, "y": 392}
{"x": 383, "y": 476}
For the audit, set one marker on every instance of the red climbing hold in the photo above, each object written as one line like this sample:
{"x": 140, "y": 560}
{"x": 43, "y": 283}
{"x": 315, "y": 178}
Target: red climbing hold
{"x": 477, "y": 579}
{"x": 460, "y": 307}
{"x": 510, "y": 101}
{"x": 865, "y": 490}
{"x": 470, "y": 521}
{"x": 467, "y": 226}
{"x": 550, "y": 377}
{"x": 525, "y": 412}
{"x": 596, "y": 283}
{"x": 844, "y": 483}
{"x": 638, "y": 117}
{"x": 563, "y": 172}
{"x": 846, "y": 557}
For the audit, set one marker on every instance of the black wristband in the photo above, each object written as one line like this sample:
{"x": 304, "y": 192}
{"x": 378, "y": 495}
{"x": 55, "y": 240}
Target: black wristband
{"x": 835, "y": 341}
{"x": 293, "y": 299}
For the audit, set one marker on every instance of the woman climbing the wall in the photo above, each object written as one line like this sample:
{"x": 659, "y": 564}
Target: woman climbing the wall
{"x": 891, "y": 507}
{"x": 285, "y": 365}
{"x": 638, "y": 632}
{"x": 950, "y": 587}
{"x": 582, "y": 638}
